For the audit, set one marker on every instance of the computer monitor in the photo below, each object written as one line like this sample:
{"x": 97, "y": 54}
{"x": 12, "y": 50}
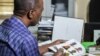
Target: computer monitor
{"x": 67, "y": 28}
{"x": 89, "y": 31}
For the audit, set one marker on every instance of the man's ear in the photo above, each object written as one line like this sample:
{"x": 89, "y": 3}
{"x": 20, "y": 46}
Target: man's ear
{"x": 30, "y": 14}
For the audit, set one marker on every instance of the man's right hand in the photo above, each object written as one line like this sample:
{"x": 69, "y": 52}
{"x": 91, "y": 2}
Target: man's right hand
{"x": 60, "y": 52}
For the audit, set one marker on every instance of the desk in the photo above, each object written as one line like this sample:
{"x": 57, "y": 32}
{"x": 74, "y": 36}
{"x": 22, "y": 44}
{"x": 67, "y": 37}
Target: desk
{"x": 51, "y": 54}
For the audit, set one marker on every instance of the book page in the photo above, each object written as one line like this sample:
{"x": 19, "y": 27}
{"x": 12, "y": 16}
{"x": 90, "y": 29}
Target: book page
{"x": 67, "y": 28}
{"x": 73, "y": 47}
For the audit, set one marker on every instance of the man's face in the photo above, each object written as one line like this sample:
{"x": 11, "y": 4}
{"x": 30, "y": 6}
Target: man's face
{"x": 37, "y": 13}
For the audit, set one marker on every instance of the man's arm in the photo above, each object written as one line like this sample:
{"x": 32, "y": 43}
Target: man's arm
{"x": 30, "y": 48}
{"x": 44, "y": 48}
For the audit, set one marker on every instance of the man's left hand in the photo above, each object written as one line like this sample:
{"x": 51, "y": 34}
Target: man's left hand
{"x": 57, "y": 42}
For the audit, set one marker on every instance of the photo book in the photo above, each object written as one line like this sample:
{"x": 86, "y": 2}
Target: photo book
{"x": 73, "y": 47}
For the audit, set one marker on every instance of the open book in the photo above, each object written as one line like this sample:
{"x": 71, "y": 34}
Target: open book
{"x": 73, "y": 47}
{"x": 66, "y": 28}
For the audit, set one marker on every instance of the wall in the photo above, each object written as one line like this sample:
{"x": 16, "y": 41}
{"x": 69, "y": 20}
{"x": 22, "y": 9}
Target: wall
{"x": 81, "y": 9}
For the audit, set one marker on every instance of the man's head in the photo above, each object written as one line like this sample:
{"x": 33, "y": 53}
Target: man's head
{"x": 31, "y": 9}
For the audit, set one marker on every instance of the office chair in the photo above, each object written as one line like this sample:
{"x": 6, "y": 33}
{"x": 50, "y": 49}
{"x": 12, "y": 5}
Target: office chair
{"x": 5, "y": 45}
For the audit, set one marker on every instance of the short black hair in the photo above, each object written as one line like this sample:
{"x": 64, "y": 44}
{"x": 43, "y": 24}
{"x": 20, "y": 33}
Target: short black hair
{"x": 22, "y": 6}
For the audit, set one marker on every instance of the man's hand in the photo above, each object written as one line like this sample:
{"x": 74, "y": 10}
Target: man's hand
{"x": 60, "y": 52}
{"x": 57, "y": 42}
{"x": 44, "y": 48}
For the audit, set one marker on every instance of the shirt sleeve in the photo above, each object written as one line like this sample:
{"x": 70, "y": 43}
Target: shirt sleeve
{"x": 30, "y": 47}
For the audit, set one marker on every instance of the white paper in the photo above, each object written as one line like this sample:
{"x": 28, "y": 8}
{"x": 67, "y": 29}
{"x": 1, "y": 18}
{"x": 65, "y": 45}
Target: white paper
{"x": 67, "y": 28}
{"x": 96, "y": 35}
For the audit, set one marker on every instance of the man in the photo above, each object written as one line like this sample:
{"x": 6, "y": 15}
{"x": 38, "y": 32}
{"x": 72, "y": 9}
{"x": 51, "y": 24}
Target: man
{"x": 14, "y": 34}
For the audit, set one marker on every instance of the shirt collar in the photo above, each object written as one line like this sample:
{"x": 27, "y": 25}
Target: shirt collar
{"x": 15, "y": 24}
{"x": 19, "y": 20}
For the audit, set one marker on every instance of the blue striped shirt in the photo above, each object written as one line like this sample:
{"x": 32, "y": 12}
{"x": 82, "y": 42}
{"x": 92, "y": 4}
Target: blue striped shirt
{"x": 18, "y": 38}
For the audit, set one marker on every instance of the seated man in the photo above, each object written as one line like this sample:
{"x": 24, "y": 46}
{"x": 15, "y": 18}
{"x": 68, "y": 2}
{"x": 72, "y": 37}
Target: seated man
{"x": 15, "y": 34}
